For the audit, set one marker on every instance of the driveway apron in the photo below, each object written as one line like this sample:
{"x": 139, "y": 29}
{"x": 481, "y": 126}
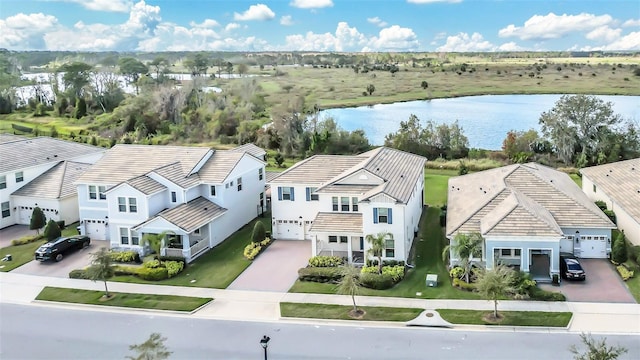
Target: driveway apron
{"x": 276, "y": 269}
{"x": 75, "y": 260}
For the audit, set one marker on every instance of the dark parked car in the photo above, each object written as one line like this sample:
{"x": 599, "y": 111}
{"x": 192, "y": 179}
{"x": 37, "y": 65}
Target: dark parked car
{"x": 58, "y": 248}
{"x": 570, "y": 267}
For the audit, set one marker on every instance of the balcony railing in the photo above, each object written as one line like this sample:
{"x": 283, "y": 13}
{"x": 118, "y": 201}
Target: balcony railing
{"x": 199, "y": 248}
{"x": 195, "y": 250}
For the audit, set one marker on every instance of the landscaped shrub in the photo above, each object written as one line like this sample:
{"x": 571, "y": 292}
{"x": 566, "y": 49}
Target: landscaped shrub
{"x": 252, "y": 250}
{"x": 52, "y": 231}
{"x": 611, "y": 215}
{"x": 522, "y": 283}
{"x": 320, "y": 274}
{"x": 125, "y": 256}
{"x": 120, "y": 270}
{"x": 258, "y": 233}
{"x": 173, "y": 267}
{"x": 619, "y": 249}
{"x": 78, "y": 274}
{"x": 173, "y": 258}
{"x": 151, "y": 264}
{"x": 374, "y": 262}
{"x": 61, "y": 224}
{"x": 396, "y": 272}
{"x": 153, "y": 274}
{"x": 602, "y": 205}
{"x": 325, "y": 261}
{"x": 625, "y": 273}
{"x": 463, "y": 285}
{"x": 377, "y": 282}
{"x": 456, "y": 272}
{"x": 538, "y": 294}
{"x": 27, "y": 239}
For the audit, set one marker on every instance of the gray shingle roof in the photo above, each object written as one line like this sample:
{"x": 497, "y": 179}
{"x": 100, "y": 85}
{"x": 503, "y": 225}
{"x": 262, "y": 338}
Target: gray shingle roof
{"x": 317, "y": 169}
{"x": 55, "y": 183}
{"x": 620, "y": 181}
{"x": 176, "y": 174}
{"x": 337, "y": 222}
{"x": 514, "y": 194}
{"x": 251, "y": 149}
{"x": 192, "y": 215}
{"x": 219, "y": 166}
{"x": 6, "y": 137}
{"x": 28, "y": 152}
{"x": 145, "y": 185}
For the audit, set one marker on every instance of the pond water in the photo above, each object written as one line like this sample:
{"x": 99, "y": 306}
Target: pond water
{"x": 484, "y": 119}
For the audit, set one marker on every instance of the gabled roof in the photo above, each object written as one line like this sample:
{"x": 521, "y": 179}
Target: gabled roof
{"x": 251, "y": 149}
{"x": 504, "y": 199}
{"x": 397, "y": 170}
{"x": 189, "y": 216}
{"x": 337, "y": 222}
{"x": 620, "y": 181}
{"x": 55, "y": 183}
{"x": 220, "y": 166}
{"x": 27, "y": 152}
{"x": 175, "y": 173}
{"x": 145, "y": 185}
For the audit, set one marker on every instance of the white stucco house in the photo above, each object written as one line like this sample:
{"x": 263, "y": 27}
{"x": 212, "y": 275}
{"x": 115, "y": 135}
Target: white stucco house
{"x": 197, "y": 195}
{"x": 527, "y": 214}
{"x": 617, "y": 184}
{"x": 39, "y": 172}
{"x": 335, "y": 201}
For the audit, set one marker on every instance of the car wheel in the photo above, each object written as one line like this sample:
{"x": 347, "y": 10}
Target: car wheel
{"x": 59, "y": 257}
{"x": 85, "y": 244}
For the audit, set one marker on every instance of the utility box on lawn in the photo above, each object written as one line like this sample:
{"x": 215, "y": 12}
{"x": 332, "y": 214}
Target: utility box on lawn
{"x": 432, "y": 280}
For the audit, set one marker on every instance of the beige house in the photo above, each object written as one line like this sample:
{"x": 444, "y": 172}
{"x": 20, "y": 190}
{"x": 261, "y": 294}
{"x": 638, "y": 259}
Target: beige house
{"x": 527, "y": 214}
{"x": 617, "y": 184}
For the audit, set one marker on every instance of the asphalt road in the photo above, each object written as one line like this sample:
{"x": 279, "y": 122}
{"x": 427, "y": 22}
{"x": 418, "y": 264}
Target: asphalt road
{"x": 43, "y": 332}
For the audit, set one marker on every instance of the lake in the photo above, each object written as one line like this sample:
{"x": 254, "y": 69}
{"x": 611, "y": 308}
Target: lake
{"x": 485, "y": 119}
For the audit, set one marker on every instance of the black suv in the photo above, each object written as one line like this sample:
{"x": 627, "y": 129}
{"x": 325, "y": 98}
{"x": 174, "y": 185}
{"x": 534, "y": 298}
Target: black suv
{"x": 58, "y": 248}
{"x": 570, "y": 267}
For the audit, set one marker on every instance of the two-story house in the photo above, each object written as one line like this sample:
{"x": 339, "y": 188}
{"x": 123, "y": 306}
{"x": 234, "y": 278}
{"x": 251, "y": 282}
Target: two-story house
{"x": 197, "y": 196}
{"x": 39, "y": 172}
{"x": 335, "y": 201}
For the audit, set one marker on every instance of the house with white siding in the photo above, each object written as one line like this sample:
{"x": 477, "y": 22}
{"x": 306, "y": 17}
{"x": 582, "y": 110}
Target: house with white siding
{"x": 618, "y": 185}
{"x": 39, "y": 172}
{"x": 527, "y": 214}
{"x": 335, "y": 201}
{"x": 196, "y": 195}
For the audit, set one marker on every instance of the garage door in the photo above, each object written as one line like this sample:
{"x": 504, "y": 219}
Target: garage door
{"x": 96, "y": 229}
{"x": 593, "y": 247}
{"x": 287, "y": 229}
{"x": 24, "y": 214}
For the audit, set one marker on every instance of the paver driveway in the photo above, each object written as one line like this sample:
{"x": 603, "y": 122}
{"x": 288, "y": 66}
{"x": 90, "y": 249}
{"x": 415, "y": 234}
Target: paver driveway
{"x": 75, "y": 260}
{"x": 276, "y": 269}
{"x": 603, "y": 284}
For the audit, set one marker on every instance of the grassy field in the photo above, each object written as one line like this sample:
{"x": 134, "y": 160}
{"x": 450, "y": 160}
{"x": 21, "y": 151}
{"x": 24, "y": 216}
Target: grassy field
{"x": 511, "y": 318}
{"x": 341, "y": 312}
{"x": 215, "y": 269}
{"x": 130, "y": 300}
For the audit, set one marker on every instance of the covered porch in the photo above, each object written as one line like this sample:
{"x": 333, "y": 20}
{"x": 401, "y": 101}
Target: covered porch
{"x": 335, "y": 234}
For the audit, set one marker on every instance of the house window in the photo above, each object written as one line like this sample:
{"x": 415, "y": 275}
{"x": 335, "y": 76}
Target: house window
{"x": 333, "y": 239}
{"x": 239, "y": 184}
{"x": 594, "y": 188}
{"x": 260, "y": 174}
{"x": 354, "y": 204}
{"x": 389, "y": 248}
{"x": 93, "y": 193}
{"x": 6, "y": 211}
{"x": 174, "y": 197}
{"x": 286, "y": 193}
{"x": 310, "y": 194}
{"x": 261, "y": 200}
{"x": 226, "y": 186}
{"x": 382, "y": 216}
{"x": 344, "y": 204}
{"x": 334, "y": 201}
{"x": 231, "y": 183}
{"x": 101, "y": 191}
{"x": 343, "y": 239}
{"x": 212, "y": 190}
{"x": 122, "y": 204}
{"x": 133, "y": 205}
{"x": 124, "y": 236}
{"x": 3, "y": 182}
{"x": 510, "y": 253}
{"x": 19, "y": 176}
{"x": 135, "y": 239}
{"x": 196, "y": 232}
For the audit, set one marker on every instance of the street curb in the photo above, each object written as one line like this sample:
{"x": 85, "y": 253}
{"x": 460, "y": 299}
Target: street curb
{"x": 399, "y": 324}
{"x": 120, "y": 308}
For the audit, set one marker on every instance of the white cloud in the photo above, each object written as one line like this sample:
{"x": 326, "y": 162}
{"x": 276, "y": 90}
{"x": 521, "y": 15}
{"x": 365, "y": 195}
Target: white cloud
{"x": 104, "y": 5}
{"x": 433, "y": 1}
{"x": 207, "y": 23}
{"x": 377, "y": 21}
{"x": 552, "y": 26}
{"x": 510, "y": 46}
{"x": 286, "y": 20}
{"x": 395, "y": 38}
{"x": 462, "y": 42}
{"x": 25, "y": 31}
{"x": 255, "y": 12}
{"x": 346, "y": 38}
{"x": 311, "y": 4}
{"x": 630, "y": 41}
{"x": 604, "y": 34}
{"x": 231, "y": 26}
{"x": 631, "y": 23}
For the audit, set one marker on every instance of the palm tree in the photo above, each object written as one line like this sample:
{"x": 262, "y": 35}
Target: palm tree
{"x": 154, "y": 241}
{"x": 350, "y": 284}
{"x": 377, "y": 246}
{"x": 495, "y": 284}
{"x": 101, "y": 268}
{"x": 464, "y": 247}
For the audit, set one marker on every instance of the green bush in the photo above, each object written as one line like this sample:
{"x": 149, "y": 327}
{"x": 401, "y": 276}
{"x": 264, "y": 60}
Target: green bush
{"x": 535, "y": 293}
{"x": 61, "y": 224}
{"x": 396, "y": 272}
{"x": 78, "y": 274}
{"x": 377, "y": 282}
{"x": 153, "y": 274}
{"x": 522, "y": 283}
{"x": 259, "y": 233}
{"x": 265, "y": 242}
{"x": 120, "y": 270}
{"x": 461, "y": 284}
{"x": 152, "y": 264}
{"x": 625, "y": 273}
{"x": 325, "y": 261}
{"x": 611, "y": 215}
{"x": 602, "y": 205}
{"x": 52, "y": 231}
{"x": 174, "y": 258}
{"x": 27, "y": 239}
{"x": 124, "y": 256}
{"x": 320, "y": 274}
{"x": 619, "y": 249}
{"x": 252, "y": 250}
{"x": 173, "y": 268}
{"x": 456, "y": 272}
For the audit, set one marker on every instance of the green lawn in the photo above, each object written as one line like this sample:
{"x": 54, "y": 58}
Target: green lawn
{"x": 435, "y": 186}
{"x": 141, "y": 301}
{"x": 22, "y": 254}
{"x": 341, "y": 312}
{"x": 511, "y": 318}
{"x": 218, "y": 267}
{"x": 634, "y": 286}
{"x": 427, "y": 260}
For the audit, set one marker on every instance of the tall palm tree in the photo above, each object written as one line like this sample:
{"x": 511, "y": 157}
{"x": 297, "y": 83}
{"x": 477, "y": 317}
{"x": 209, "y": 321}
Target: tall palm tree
{"x": 464, "y": 247}
{"x": 350, "y": 283}
{"x": 377, "y": 246}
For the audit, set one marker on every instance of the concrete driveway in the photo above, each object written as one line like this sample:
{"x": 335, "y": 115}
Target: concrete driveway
{"x": 276, "y": 269}
{"x": 75, "y": 260}
{"x": 13, "y": 232}
{"x": 603, "y": 284}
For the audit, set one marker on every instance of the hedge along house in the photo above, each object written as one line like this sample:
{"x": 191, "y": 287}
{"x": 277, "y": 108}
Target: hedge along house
{"x": 618, "y": 185}
{"x": 196, "y": 195}
{"x": 335, "y": 201}
{"x": 527, "y": 214}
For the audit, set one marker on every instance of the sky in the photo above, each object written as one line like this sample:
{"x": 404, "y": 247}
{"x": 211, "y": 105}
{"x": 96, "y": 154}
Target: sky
{"x": 320, "y": 25}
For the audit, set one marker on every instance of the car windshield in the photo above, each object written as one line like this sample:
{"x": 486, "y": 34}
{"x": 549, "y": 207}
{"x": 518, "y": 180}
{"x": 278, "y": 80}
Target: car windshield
{"x": 573, "y": 265}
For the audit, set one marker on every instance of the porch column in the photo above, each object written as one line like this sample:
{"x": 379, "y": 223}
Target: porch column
{"x": 314, "y": 245}
{"x": 349, "y": 250}
{"x": 186, "y": 246}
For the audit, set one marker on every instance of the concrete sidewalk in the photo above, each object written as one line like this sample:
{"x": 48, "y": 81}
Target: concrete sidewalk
{"x": 264, "y": 306}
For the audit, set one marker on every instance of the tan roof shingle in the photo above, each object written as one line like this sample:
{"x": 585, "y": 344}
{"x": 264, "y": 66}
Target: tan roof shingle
{"x": 192, "y": 215}
{"x": 28, "y": 152}
{"x": 55, "y": 183}
{"x": 337, "y": 222}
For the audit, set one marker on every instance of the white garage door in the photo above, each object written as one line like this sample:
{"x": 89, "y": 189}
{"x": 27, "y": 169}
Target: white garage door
{"x": 96, "y": 229}
{"x": 24, "y": 213}
{"x": 287, "y": 230}
{"x": 593, "y": 247}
